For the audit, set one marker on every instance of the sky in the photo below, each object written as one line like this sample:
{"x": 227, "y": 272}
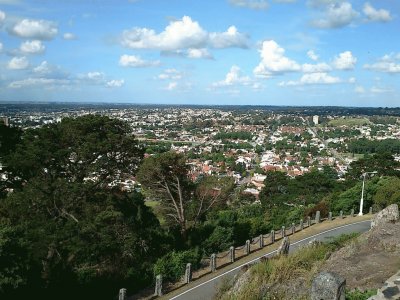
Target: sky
{"x": 213, "y": 52}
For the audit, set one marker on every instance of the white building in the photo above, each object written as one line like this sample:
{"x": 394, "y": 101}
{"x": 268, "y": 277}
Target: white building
{"x": 315, "y": 120}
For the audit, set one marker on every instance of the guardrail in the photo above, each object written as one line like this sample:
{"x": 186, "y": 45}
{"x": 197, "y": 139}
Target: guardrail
{"x": 217, "y": 261}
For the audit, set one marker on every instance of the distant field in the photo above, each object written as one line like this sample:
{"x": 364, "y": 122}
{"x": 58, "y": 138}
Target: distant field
{"x": 349, "y": 122}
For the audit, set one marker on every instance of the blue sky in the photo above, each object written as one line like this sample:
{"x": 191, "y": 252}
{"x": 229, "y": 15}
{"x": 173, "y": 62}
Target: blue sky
{"x": 261, "y": 52}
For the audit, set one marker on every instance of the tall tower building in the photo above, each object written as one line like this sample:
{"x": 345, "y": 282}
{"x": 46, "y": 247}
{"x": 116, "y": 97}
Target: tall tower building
{"x": 315, "y": 120}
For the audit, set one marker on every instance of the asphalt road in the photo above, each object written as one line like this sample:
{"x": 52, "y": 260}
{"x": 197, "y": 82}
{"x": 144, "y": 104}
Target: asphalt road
{"x": 208, "y": 289}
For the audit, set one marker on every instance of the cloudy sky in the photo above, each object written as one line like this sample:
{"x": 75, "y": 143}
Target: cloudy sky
{"x": 268, "y": 52}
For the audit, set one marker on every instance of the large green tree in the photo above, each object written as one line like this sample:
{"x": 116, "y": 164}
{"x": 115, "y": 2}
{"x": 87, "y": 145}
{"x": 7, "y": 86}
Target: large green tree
{"x": 78, "y": 234}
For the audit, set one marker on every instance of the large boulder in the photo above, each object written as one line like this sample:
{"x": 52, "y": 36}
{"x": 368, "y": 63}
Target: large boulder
{"x": 389, "y": 215}
{"x": 328, "y": 286}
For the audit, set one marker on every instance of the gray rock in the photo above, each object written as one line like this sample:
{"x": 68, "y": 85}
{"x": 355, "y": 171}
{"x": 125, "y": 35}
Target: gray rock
{"x": 284, "y": 247}
{"x": 328, "y": 286}
{"x": 389, "y": 214}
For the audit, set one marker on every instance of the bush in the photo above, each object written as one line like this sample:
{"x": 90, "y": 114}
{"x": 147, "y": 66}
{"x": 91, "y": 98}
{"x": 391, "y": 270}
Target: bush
{"x": 172, "y": 266}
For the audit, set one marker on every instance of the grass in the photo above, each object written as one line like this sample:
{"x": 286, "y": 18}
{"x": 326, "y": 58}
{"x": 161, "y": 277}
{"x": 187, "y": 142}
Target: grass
{"x": 358, "y": 295}
{"x": 154, "y": 205}
{"x": 272, "y": 274}
{"x": 349, "y": 122}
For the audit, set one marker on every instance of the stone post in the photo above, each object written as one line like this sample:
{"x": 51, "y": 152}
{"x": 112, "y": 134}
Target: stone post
{"x": 283, "y": 231}
{"x": 328, "y": 286}
{"x": 188, "y": 273}
{"x": 330, "y": 216}
{"x": 213, "y": 262}
{"x": 352, "y": 213}
{"x": 247, "y": 248}
{"x": 370, "y": 210}
{"x": 232, "y": 253}
{"x": 272, "y": 236}
{"x": 261, "y": 241}
{"x": 341, "y": 214}
{"x": 158, "y": 292}
{"x": 284, "y": 247}
{"x": 122, "y": 294}
{"x": 308, "y": 221}
{"x": 293, "y": 228}
{"x": 301, "y": 225}
{"x": 317, "y": 217}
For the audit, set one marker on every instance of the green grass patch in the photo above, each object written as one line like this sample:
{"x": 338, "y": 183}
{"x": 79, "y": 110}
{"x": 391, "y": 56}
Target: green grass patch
{"x": 349, "y": 122}
{"x": 358, "y": 295}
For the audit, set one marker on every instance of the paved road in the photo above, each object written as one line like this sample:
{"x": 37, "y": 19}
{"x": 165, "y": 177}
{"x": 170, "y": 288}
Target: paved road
{"x": 207, "y": 290}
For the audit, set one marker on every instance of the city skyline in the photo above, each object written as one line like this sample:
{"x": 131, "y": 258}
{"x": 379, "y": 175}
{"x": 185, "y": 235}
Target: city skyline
{"x": 233, "y": 52}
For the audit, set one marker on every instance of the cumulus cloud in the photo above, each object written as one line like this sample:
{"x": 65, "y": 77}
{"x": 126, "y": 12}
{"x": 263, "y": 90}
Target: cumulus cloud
{"x": 336, "y": 15}
{"x": 115, "y": 83}
{"x": 170, "y": 74}
{"x": 252, "y": 4}
{"x": 376, "y": 15}
{"x": 2, "y": 17}
{"x": 345, "y": 61}
{"x": 172, "y": 86}
{"x": 18, "y": 63}
{"x": 316, "y": 68}
{"x": 313, "y": 79}
{"x": 199, "y": 53}
{"x": 359, "y": 89}
{"x": 274, "y": 61}
{"x": 389, "y": 63}
{"x": 182, "y": 34}
{"x": 312, "y": 55}
{"x": 45, "y": 69}
{"x": 32, "y": 47}
{"x": 35, "y": 29}
{"x": 69, "y": 36}
{"x": 133, "y": 61}
{"x": 233, "y": 77}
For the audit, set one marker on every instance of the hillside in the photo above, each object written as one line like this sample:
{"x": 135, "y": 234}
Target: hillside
{"x": 366, "y": 261}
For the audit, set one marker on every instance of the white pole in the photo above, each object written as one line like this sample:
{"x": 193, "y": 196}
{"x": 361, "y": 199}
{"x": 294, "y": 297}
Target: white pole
{"x": 362, "y": 196}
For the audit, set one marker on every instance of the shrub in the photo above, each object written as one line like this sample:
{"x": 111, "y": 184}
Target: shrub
{"x": 172, "y": 266}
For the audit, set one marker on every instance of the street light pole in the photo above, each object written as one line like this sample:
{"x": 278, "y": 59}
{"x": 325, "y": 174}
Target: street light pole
{"x": 364, "y": 175}
{"x": 362, "y": 196}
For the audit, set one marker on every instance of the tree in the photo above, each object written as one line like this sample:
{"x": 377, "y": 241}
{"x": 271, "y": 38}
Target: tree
{"x": 387, "y": 192}
{"x": 210, "y": 193}
{"x": 165, "y": 177}
{"x": 383, "y": 163}
{"x": 275, "y": 185}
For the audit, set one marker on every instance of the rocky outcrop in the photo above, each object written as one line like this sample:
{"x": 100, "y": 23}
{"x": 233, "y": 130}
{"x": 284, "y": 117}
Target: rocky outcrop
{"x": 389, "y": 215}
{"x": 390, "y": 290}
{"x": 328, "y": 286}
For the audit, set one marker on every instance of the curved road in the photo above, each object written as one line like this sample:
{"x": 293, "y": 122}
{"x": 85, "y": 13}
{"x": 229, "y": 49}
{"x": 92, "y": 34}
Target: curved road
{"x": 208, "y": 289}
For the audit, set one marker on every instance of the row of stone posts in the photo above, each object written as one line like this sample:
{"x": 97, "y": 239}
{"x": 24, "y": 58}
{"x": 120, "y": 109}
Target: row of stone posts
{"x": 247, "y": 250}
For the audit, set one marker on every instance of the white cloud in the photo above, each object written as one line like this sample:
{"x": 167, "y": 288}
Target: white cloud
{"x": 32, "y": 47}
{"x": 38, "y": 82}
{"x": 376, "y": 15}
{"x": 316, "y": 68}
{"x": 313, "y": 79}
{"x": 252, "y": 4}
{"x": 389, "y": 63}
{"x": 336, "y": 15}
{"x": 170, "y": 74}
{"x": 136, "y": 62}
{"x": 273, "y": 61}
{"x": 115, "y": 83}
{"x": 35, "y": 29}
{"x": 352, "y": 80}
{"x": 228, "y": 39}
{"x": 2, "y": 16}
{"x": 172, "y": 86}
{"x": 345, "y": 61}
{"x": 95, "y": 75}
{"x": 312, "y": 55}
{"x": 182, "y": 34}
{"x": 45, "y": 70}
{"x": 69, "y": 36}
{"x": 234, "y": 77}
{"x": 359, "y": 89}
{"x": 18, "y": 63}
{"x": 199, "y": 53}
{"x": 321, "y": 3}
{"x": 1, "y": 46}
{"x": 380, "y": 90}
